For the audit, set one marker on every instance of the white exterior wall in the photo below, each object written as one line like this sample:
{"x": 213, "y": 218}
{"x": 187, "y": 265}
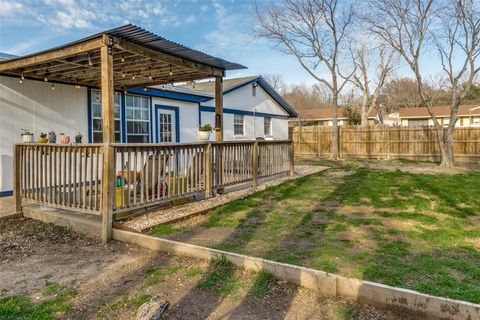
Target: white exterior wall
{"x": 242, "y": 99}
{"x": 188, "y": 114}
{"x": 33, "y": 105}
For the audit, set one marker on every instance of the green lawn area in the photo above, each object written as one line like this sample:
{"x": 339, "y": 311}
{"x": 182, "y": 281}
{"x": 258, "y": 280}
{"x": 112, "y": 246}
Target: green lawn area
{"x": 416, "y": 231}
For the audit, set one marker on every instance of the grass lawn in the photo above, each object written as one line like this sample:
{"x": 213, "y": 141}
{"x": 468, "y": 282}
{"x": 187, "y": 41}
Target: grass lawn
{"x": 417, "y": 231}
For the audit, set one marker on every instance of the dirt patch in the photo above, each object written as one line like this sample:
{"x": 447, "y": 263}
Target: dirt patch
{"x": 111, "y": 281}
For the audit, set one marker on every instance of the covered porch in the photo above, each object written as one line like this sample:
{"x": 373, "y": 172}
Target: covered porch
{"x": 110, "y": 179}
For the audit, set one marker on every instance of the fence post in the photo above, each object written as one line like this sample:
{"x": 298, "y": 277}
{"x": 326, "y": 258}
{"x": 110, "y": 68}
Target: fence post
{"x": 255, "y": 164}
{"x": 108, "y": 191}
{"x": 208, "y": 170}
{"x": 17, "y": 178}
{"x": 292, "y": 159}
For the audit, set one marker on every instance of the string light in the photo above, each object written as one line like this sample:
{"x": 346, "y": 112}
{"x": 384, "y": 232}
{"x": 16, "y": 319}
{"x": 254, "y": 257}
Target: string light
{"x": 145, "y": 88}
{"x": 21, "y": 78}
{"x": 171, "y": 72}
{"x": 45, "y": 78}
{"x": 89, "y": 59}
{"x": 123, "y": 73}
{"x": 53, "y": 87}
{"x": 123, "y": 58}
{"x": 77, "y": 86}
{"x": 193, "y": 84}
{"x": 209, "y": 80}
{"x": 133, "y": 76}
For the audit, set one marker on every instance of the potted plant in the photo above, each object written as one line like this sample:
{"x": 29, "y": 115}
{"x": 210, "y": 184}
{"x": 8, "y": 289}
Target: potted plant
{"x": 204, "y": 132}
{"x": 27, "y": 136}
{"x": 64, "y": 139}
{"x": 43, "y": 138}
{"x": 78, "y": 138}
{"x": 52, "y": 137}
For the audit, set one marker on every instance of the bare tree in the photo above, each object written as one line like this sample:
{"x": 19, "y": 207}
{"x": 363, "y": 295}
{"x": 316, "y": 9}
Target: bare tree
{"x": 366, "y": 58}
{"x": 276, "y": 81}
{"x": 315, "y": 33}
{"x": 450, "y": 26}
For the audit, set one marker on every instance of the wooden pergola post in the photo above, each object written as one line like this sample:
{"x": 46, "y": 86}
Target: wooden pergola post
{"x": 218, "y": 108}
{"x": 219, "y": 126}
{"x": 108, "y": 125}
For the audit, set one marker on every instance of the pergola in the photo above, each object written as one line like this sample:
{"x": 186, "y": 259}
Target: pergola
{"x": 119, "y": 59}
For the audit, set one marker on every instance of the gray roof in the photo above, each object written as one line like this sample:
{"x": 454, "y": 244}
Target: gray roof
{"x": 152, "y": 41}
{"x": 7, "y": 56}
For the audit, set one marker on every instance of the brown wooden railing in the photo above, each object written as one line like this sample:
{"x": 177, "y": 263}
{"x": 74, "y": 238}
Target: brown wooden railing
{"x": 151, "y": 173}
{"x": 70, "y": 176}
{"x": 60, "y": 176}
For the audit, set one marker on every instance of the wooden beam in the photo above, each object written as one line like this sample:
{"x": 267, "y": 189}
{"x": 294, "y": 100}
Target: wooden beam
{"x": 17, "y": 178}
{"x": 108, "y": 125}
{"x": 52, "y": 54}
{"x": 146, "y": 52}
{"x": 219, "y": 108}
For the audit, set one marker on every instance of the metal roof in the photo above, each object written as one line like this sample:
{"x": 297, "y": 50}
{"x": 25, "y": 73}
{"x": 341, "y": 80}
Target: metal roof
{"x": 152, "y": 41}
{"x": 7, "y": 56}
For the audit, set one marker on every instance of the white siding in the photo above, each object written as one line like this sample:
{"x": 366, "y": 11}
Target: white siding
{"x": 33, "y": 105}
{"x": 188, "y": 114}
{"x": 242, "y": 99}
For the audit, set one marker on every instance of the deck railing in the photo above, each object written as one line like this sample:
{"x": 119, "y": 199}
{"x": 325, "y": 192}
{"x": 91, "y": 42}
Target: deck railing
{"x": 60, "y": 176}
{"x": 70, "y": 176}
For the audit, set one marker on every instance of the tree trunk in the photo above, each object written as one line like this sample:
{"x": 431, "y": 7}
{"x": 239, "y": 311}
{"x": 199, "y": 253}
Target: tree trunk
{"x": 364, "y": 112}
{"x": 445, "y": 144}
{"x": 335, "y": 140}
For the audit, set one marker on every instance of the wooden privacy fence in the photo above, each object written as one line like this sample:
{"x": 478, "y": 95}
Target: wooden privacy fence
{"x": 70, "y": 176}
{"x": 383, "y": 142}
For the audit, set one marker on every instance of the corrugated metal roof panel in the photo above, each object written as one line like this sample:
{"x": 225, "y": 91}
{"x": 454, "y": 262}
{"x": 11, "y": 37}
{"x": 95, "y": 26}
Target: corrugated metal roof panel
{"x": 150, "y": 40}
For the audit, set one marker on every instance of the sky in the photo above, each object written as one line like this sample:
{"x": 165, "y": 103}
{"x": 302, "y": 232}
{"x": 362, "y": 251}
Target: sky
{"x": 223, "y": 28}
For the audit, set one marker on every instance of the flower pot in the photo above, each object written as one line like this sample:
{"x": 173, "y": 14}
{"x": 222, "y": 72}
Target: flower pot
{"x": 27, "y": 138}
{"x": 42, "y": 140}
{"x": 203, "y": 135}
{"x": 78, "y": 139}
{"x": 52, "y": 137}
{"x": 64, "y": 139}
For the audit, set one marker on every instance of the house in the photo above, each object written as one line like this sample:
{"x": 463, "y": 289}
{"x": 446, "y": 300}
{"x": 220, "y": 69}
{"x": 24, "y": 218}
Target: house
{"x": 64, "y": 95}
{"x": 468, "y": 116}
{"x": 324, "y": 117}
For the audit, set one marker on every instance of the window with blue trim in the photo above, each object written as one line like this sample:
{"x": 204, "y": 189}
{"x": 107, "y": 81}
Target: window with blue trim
{"x": 238, "y": 124}
{"x": 138, "y": 118}
{"x": 97, "y": 135}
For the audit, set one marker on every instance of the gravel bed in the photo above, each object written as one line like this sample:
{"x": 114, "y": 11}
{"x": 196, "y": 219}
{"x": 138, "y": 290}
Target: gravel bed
{"x": 180, "y": 212}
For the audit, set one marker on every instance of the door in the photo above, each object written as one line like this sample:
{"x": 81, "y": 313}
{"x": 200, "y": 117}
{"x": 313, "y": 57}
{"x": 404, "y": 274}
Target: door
{"x": 166, "y": 126}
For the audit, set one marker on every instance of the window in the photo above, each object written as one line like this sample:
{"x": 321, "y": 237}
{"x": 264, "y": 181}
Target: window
{"x": 446, "y": 121}
{"x": 138, "y": 119}
{"x": 417, "y": 122}
{"x": 238, "y": 124}
{"x": 97, "y": 135}
{"x": 267, "y": 126}
{"x": 165, "y": 127}
{"x": 476, "y": 121}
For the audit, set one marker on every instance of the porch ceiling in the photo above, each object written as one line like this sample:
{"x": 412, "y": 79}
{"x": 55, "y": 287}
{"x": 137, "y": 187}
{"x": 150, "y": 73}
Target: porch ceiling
{"x": 140, "y": 58}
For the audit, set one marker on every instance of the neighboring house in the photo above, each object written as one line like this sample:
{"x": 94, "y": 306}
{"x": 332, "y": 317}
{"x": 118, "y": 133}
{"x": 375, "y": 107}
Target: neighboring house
{"x": 252, "y": 109}
{"x": 324, "y": 117}
{"x": 468, "y": 116}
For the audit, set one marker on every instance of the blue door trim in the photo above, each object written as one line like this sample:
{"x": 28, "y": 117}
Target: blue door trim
{"x": 123, "y": 118}
{"x": 177, "y": 120}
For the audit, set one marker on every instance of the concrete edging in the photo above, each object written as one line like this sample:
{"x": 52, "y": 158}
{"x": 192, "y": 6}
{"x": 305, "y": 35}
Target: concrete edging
{"x": 326, "y": 284}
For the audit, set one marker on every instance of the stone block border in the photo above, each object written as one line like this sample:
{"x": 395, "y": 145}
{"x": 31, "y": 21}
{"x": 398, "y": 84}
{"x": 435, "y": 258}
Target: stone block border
{"x": 326, "y": 284}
